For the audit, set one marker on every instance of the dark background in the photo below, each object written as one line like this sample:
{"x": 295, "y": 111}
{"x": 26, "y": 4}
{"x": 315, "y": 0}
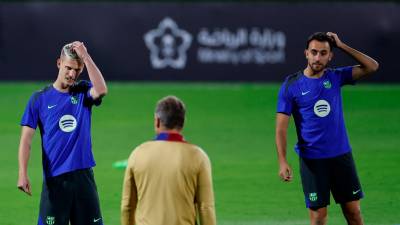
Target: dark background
{"x": 32, "y": 34}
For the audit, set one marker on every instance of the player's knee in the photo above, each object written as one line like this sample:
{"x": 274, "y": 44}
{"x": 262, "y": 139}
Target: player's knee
{"x": 353, "y": 214}
{"x": 318, "y": 216}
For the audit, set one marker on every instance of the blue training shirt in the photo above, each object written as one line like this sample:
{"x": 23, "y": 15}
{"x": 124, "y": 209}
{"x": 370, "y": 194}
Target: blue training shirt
{"x": 316, "y": 105}
{"x": 64, "y": 120}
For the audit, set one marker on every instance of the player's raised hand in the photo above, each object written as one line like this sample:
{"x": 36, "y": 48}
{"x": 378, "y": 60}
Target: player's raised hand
{"x": 80, "y": 49}
{"x": 24, "y": 185}
{"x": 285, "y": 172}
{"x": 335, "y": 37}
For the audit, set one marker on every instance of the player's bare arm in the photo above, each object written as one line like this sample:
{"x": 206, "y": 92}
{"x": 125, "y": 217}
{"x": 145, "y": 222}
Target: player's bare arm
{"x": 23, "y": 158}
{"x": 367, "y": 64}
{"x": 99, "y": 88}
{"x": 282, "y": 123}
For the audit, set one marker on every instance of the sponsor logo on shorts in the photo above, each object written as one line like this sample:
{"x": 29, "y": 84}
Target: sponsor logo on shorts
{"x": 313, "y": 197}
{"x": 95, "y": 220}
{"x": 355, "y": 192}
{"x": 50, "y": 220}
{"x": 67, "y": 123}
{"x": 322, "y": 108}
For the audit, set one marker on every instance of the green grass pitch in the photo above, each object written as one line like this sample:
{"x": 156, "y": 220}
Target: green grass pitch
{"x": 235, "y": 125}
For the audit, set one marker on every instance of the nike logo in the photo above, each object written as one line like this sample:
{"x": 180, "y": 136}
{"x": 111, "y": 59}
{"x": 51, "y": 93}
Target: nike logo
{"x": 304, "y": 93}
{"x": 355, "y": 192}
{"x": 51, "y": 106}
{"x": 96, "y": 220}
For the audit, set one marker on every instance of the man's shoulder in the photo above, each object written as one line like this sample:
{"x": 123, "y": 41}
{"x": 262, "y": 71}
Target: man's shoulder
{"x": 144, "y": 145}
{"x": 138, "y": 149}
{"x": 337, "y": 70}
{"x": 294, "y": 76}
{"x": 292, "y": 79}
{"x": 154, "y": 143}
{"x": 43, "y": 90}
{"x": 198, "y": 150}
{"x": 37, "y": 94}
{"x": 80, "y": 86}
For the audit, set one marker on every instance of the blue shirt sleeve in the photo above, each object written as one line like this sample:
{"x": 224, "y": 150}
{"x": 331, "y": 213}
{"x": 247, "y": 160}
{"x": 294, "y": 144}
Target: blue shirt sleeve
{"x": 345, "y": 75}
{"x": 84, "y": 87}
{"x": 31, "y": 114}
{"x": 95, "y": 102}
{"x": 285, "y": 103}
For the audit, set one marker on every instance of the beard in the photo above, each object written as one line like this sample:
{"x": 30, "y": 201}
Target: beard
{"x": 317, "y": 67}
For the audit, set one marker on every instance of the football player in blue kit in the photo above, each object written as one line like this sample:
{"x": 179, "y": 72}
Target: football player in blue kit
{"x": 313, "y": 98}
{"x": 62, "y": 111}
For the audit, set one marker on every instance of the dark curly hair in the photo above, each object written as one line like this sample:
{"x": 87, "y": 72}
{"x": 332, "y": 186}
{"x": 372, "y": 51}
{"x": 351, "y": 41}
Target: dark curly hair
{"x": 321, "y": 37}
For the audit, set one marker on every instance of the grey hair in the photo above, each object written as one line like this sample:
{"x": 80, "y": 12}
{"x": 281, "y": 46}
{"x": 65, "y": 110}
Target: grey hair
{"x": 68, "y": 51}
{"x": 171, "y": 112}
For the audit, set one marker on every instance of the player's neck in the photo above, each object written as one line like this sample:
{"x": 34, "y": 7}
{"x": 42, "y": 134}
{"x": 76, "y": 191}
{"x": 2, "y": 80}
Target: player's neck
{"x": 59, "y": 86}
{"x": 308, "y": 72}
{"x": 168, "y": 131}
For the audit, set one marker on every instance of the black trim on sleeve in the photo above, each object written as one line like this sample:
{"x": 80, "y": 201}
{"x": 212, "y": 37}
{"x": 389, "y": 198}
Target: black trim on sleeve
{"x": 291, "y": 79}
{"x": 285, "y": 113}
{"x": 80, "y": 87}
{"x": 97, "y": 101}
{"x": 36, "y": 95}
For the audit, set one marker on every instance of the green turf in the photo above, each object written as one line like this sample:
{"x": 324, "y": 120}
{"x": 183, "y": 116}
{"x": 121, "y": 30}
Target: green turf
{"x": 234, "y": 123}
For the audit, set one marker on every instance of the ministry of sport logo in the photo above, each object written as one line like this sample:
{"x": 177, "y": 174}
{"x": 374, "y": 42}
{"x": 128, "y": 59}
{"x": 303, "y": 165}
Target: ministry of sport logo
{"x": 67, "y": 123}
{"x": 322, "y": 108}
{"x": 168, "y": 45}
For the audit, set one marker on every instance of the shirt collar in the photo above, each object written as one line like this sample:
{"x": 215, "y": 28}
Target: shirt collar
{"x": 169, "y": 137}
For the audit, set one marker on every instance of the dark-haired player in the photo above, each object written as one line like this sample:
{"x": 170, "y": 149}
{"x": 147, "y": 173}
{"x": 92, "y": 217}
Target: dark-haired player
{"x": 313, "y": 97}
{"x": 168, "y": 180}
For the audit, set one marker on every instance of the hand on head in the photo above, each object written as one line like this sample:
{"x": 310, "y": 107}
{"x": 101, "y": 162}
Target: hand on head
{"x": 80, "y": 49}
{"x": 335, "y": 39}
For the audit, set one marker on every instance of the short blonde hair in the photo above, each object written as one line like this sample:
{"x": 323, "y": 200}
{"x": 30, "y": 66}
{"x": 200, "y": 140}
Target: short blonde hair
{"x": 68, "y": 51}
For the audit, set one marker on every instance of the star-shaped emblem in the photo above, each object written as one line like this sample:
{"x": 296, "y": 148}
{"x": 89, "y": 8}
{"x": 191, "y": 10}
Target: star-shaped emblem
{"x": 168, "y": 45}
